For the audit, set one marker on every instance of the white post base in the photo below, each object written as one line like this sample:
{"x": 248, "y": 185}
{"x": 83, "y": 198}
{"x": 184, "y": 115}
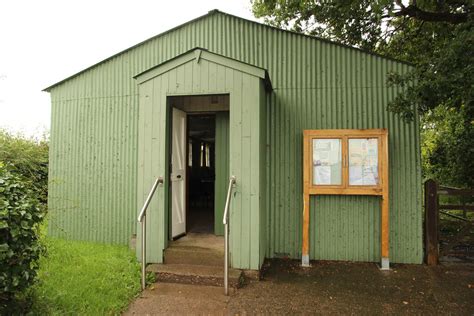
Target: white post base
{"x": 305, "y": 261}
{"x": 385, "y": 264}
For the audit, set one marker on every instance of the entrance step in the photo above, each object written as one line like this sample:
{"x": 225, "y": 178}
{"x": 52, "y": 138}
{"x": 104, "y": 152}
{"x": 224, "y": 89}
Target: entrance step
{"x": 196, "y": 249}
{"x": 179, "y": 299}
{"x": 195, "y": 274}
{"x": 194, "y": 256}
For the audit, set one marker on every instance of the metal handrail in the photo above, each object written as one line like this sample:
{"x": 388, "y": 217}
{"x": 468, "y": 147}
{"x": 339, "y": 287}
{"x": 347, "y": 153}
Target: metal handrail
{"x": 142, "y": 220}
{"x": 225, "y": 221}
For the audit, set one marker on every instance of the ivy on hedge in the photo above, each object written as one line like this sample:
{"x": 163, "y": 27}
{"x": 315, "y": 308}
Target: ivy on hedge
{"x": 20, "y": 247}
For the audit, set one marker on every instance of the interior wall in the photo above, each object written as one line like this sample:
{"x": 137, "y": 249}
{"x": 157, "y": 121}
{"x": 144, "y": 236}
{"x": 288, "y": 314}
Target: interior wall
{"x": 201, "y": 174}
{"x": 201, "y": 103}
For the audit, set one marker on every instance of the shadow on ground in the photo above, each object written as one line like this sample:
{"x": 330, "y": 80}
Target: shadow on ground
{"x": 327, "y": 288}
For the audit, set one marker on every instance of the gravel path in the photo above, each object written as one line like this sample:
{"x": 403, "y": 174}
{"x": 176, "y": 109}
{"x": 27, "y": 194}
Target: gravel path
{"x": 325, "y": 288}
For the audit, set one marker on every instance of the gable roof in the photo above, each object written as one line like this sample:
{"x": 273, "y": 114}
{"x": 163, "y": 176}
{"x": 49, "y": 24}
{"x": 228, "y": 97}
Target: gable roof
{"x": 197, "y": 54}
{"x": 210, "y": 13}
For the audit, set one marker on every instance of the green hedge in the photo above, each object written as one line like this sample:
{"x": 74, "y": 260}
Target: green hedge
{"x": 20, "y": 248}
{"x": 27, "y": 158}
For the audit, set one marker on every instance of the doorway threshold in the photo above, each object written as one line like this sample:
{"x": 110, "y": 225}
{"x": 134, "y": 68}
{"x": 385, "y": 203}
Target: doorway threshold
{"x": 199, "y": 240}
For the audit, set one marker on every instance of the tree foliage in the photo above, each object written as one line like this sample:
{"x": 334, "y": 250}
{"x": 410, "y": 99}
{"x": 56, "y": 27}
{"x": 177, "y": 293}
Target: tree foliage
{"x": 446, "y": 154}
{"x": 436, "y": 36}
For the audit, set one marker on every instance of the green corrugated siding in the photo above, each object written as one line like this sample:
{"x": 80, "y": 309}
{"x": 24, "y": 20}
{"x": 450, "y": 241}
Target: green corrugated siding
{"x": 222, "y": 169}
{"x": 345, "y": 228}
{"x": 316, "y": 85}
{"x": 263, "y": 173}
{"x": 93, "y": 169}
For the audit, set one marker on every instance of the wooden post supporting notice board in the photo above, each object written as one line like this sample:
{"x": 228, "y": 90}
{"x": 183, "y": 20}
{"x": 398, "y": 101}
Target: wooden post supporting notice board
{"x": 346, "y": 162}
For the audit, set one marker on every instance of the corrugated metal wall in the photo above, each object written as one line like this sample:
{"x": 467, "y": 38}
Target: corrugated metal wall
{"x": 93, "y": 168}
{"x": 345, "y": 229}
{"x": 316, "y": 84}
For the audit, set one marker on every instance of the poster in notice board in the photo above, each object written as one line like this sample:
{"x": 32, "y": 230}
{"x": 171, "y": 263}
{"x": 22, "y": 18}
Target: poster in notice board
{"x": 327, "y": 161}
{"x": 363, "y": 161}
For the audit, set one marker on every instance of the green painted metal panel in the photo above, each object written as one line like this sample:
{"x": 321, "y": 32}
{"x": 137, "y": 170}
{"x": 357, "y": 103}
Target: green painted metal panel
{"x": 346, "y": 228}
{"x": 317, "y": 84}
{"x": 93, "y": 169}
{"x": 263, "y": 173}
{"x": 153, "y": 148}
{"x": 222, "y": 169}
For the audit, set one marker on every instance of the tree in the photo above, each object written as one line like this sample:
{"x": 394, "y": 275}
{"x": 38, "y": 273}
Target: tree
{"x": 437, "y": 37}
{"x": 446, "y": 153}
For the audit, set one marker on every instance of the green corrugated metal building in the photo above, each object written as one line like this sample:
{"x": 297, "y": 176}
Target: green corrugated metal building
{"x": 221, "y": 96}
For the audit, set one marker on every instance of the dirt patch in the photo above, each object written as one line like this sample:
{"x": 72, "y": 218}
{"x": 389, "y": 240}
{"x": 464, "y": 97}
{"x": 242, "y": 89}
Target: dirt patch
{"x": 357, "y": 288}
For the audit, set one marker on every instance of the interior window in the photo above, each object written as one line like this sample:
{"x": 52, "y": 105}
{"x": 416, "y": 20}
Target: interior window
{"x": 208, "y": 160}
{"x": 190, "y": 154}
{"x": 201, "y": 160}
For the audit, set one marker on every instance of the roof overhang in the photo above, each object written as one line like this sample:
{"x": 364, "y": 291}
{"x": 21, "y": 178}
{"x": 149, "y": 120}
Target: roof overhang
{"x": 197, "y": 54}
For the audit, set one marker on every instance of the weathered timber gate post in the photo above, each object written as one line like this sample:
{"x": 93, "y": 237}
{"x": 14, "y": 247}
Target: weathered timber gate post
{"x": 431, "y": 222}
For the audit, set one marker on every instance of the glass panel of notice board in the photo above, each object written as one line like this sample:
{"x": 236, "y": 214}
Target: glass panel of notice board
{"x": 363, "y": 161}
{"x": 327, "y": 161}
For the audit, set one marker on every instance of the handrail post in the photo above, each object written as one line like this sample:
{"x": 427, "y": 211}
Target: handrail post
{"x": 142, "y": 221}
{"x": 225, "y": 220}
{"x": 143, "y": 224}
{"x": 226, "y": 259}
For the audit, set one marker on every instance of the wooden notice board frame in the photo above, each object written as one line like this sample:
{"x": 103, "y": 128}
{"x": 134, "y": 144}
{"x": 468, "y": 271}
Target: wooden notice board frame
{"x": 381, "y": 189}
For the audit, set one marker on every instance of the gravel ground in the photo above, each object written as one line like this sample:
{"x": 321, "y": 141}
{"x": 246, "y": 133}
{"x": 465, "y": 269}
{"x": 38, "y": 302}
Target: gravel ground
{"x": 358, "y": 288}
{"x": 328, "y": 288}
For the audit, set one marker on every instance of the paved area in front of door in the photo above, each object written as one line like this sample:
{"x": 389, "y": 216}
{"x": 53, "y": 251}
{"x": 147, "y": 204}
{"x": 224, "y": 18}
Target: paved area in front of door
{"x": 325, "y": 288}
{"x": 179, "y": 299}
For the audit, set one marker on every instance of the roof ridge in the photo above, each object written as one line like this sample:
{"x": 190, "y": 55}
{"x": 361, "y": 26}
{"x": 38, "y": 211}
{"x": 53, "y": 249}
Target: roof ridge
{"x": 316, "y": 38}
{"x": 211, "y": 13}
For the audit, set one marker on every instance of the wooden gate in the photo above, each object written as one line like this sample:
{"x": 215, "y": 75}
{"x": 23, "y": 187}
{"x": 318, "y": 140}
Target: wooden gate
{"x": 433, "y": 210}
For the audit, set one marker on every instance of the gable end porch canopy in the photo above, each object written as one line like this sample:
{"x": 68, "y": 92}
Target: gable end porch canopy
{"x": 199, "y": 54}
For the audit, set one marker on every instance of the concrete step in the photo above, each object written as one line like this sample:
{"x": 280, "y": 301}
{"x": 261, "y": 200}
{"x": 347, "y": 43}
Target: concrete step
{"x": 194, "y": 255}
{"x": 180, "y": 299}
{"x": 195, "y": 274}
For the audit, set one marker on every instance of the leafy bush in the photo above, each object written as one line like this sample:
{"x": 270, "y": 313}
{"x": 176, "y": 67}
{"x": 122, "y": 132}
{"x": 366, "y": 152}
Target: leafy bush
{"x": 27, "y": 158}
{"x": 20, "y": 248}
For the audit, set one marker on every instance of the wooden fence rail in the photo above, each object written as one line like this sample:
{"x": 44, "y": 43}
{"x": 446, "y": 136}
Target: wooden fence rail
{"x": 432, "y": 211}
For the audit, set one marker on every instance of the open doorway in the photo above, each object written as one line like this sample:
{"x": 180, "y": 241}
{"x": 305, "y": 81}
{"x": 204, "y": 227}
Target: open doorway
{"x": 199, "y": 163}
{"x": 201, "y": 173}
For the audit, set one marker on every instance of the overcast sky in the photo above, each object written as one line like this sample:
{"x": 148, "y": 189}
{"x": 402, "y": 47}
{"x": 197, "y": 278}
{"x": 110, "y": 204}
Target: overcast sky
{"x": 42, "y": 42}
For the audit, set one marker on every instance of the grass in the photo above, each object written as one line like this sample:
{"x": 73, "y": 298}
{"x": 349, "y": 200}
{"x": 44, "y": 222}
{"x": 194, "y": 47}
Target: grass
{"x": 84, "y": 278}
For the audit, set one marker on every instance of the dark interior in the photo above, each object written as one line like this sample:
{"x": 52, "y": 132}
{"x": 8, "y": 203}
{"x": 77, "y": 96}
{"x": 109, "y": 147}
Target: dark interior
{"x": 201, "y": 173}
